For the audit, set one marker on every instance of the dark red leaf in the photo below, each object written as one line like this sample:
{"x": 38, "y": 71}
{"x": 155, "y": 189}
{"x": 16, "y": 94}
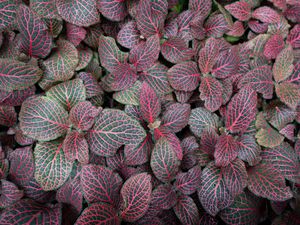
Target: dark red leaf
{"x": 186, "y": 210}
{"x": 208, "y": 55}
{"x": 8, "y": 116}
{"x": 211, "y": 92}
{"x": 122, "y": 77}
{"x": 16, "y": 98}
{"x": 75, "y": 34}
{"x": 216, "y": 25}
{"x": 10, "y": 194}
{"x": 249, "y": 150}
{"x": 187, "y": 183}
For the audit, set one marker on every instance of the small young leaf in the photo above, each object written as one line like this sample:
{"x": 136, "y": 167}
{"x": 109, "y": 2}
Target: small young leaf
{"x": 266, "y": 182}
{"x": 187, "y": 183}
{"x": 51, "y": 166}
{"x": 186, "y": 210}
{"x": 10, "y": 194}
{"x": 266, "y": 14}
{"x": 114, "y": 10}
{"x": 164, "y": 162}
{"x": 211, "y": 92}
{"x": 241, "y": 10}
{"x": 8, "y": 116}
{"x": 288, "y": 93}
{"x": 43, "y": 119}
{"x": 136, "y": 195}
{"x": 283, "y": 66}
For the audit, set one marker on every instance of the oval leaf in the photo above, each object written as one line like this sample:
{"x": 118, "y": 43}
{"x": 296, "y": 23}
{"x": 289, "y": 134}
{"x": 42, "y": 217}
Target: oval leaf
{"x": 241, "y": 10}
{"x": 186, "y": 210}
{"x": 187, "y": 183}
{"x": 114, "y": 10}
{"x": 288, "y": 93}
{"x": 211, "y": 92}
{"x": 8, "y": 13}
{"x": 283, "y": 66}
{"x": 266, "y": 14}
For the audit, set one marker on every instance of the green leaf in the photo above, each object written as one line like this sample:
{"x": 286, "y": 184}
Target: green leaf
{"x": 7, "y": 13}
{"x": 288, "y": 93}
{"x": 130, "y": 96}
{"x": 52, "y": 169}
{"x": 268, "y": 137}
{"x": 283, "y": 66}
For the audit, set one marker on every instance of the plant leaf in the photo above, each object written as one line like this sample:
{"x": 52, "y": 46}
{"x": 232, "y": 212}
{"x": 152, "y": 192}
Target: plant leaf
{"x": 163, "y": 197}
{"x": 187, "y": 183}
{"x": 268, "y": 137}
{"x": 129, "y": 35}
{"x": 294, "y": 36}
{"x": 164, "y": 161}
{"x": 266, "y": 182}
{"x": 43, "y": 119}
{"x": 81, "y": 12}
{"x": 274, "y": 46}
{"x": 211, "y": 92}
{"x": 208, "y": 55}
{"x": 45, "y": 8}
{"x": 114, "y": 10}
{"x": 8, "y": 116}
{"x": 8, "y": 10}
{"x": 129, "y": 96}
{"x": 136, "y": 196}
{"x": 288, "y": 93}
{"x": 109, "y": 53}
{"x": 241, "y": 10}
{"x": 16, "y": 98}
{"x": 100, "y": 184}
{"x": 201, "y": 119}
{"x": 68, "y": 93}
{"x": 186, "y": 210}
{"x": 260, "y": 80}
{"x": 184, "y": 76}
{"x": 213, "y": 194}
{"x": 283, "y": 66}
{"x": 92, "y": 87}
{"x": 202, "y": 7}
{"x": 35, "y": 38}
{"x": 10, "y": 194}
{"x": 266, "y": 14}
{"x": 15, "y": 75}
{"x": 100, "y": 213}
{"x": 85, "y": 56}
{"x": 241, "y": 110}
{"x": 249, "y": 150}
{"x": 52, "y": 169}
{"x": 75, "y": 34}
{"x": 216, "y": 26}
{"x": 112, "y": 129}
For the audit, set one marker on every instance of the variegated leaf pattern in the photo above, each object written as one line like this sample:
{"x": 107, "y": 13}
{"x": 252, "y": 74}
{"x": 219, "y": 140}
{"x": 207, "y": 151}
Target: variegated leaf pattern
{"x": 129, "y": 96}
{"x": 129, "y": 35}
{"x": 35, "y": 38}
{"x": 274, "y": 46}
{"x": 16, "y": 98}
{"x": 68, "y": 93}
{"x": 294, "y": 36}
{"x": 163, "y": 197}
{"x": 136, "y": 197}
{"x": 8, "y": 116}
{"x": 114, "y": 10}
{"x": 203, "y": 7}
{"x": 186, "y": 210}
{"x": 164, "y": 161}
{"x": 283, "y": 66}
{"x": 15, "y": 75}
{"x": 61, "y": 64}
{"x": 45, "y": 8}
{"x": 10, "y": 194}
{"x": 213, "y": 193}
{"x": 266, "y": 14}
{"x": 188, "y": 182}
{"x": 241, "y": 10}
{"x": 8, "y": 10}
{"x": 216, "y": 26}
{"x": 75, "y": 34}
{"x": 85, "y": 56}
{"x": 268, "y": 137}
{"x": 208, "y": 55}
{"x": 100, "y": 184}
{"x": 288, "y": 93}
{"x": 266, "y": 182}
{"x": 43, "y": 119}
{"x": 112, "y": 129}
{"x": 79, "y": 12}
{"x": 92, "y": 87}
{"x": 249, "y": 150}
{"x": 52, "y": 169}
{"x": 100, "y": 213}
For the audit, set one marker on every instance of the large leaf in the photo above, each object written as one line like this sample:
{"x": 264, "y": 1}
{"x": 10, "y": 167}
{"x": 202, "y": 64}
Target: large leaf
{"x": 241, "y": 110}
{"x": 184, "y": 76}
{"x": 52, "y": 169}
{"x": 266, "y": 182}
{"x": 186, "y": 210}
{"x": 235, "y": 177}
{"x": 288, "y": 93}
{"x": 201, "y": 119}
{"x": 129, "y": 35}
{"x": 29, "y": 212}
{"x": 284, "y": 159}
{"x": 68, "y": 93}
{"x": 43, "y": 119}
{"x": 15, "y": 75}
{"x": 109, "y": 53}
{"x": 143, "y": 55}
{"x": 149, "y": 103}
{"x": 112, "y": 129}
{"x": 187, "y": 183}
{"x": 226, "y": 150}
{"x": 81, "y": 12}
{"x": 99, "y": 213}
{"x": 35, "y": 38}
{"x": 45, "y": 8}
{"x": 249, "y": 150}
{"x": 241, "y": 10}
{"x": 61, "y": 64}
{"x": 164, "y": 161}
{"x": 114, "y": 10}
{"x": 8, "y": 116}
{"x": 208, "y": 55}
{"x": 283, "y": 66}
{"x": 136, "y": 196}
{"x": 100, "y": 184}
{"x": 260, "y": 80}
{"x": 10, "y": 194}
{"x": 266, "y": 14}
{"x": 213, "y": 193}
{"x": 211, "y": 92}
{"x": 8, "y": 13}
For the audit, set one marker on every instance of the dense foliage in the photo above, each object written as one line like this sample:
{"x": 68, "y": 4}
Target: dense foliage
{"x": 149, "y": 112}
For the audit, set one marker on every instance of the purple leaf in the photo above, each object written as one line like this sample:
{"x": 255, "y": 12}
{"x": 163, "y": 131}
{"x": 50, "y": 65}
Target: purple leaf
{"x": 186, "y": 210}
{"x": 226, "y": 150}
{"x": 260, "y": 80}
{"x": 266, "y": 15}
{"x": 15, "y": 75}
{"x": 136, "y": 196}
{"x": 213, "y": 194}
{"x": 164, "y": 161}
{"x": 46, "y": 113}
{"x": 208, "y": 141}
{"x": 99, "y": 213}
{"x": 27, "y": 210}
{"x": 8, "y": 13}
{"x": 8, "y": 116}
{"x": 187, "y": 183}
{"x": 100, "y": 184}
{"x": 81, "y": 12}
{"x": 35, "y": 38}
{"x": 211, "y": 92}
{"x": 92, "y": 87}
{"x": 52, "y": 169}
{"x": 149, "y": 103}
{"x": 208, "y": 55}
{"x": 258, "y": 27}
{"x": 292, "y": 13}
{"x": 176, "y": 50}
{"x": 112, "y": 129}
{"x": 16, "y": 98}
{"x": 184, "y": 21}
{"x": 241, "y": 10}
{"x": 216, "y": 25}
{"x": 266, "y": 182}
{"x": 283, "y": 66}
{"x": 129, "y": 35}
{"x": 75, "y": 34}
{"x": 241, "y": 110}
{"x": 235, "y": 177}
{"x": 184, "y": 76}
{"x": 10, "y": 194}
{"x": 249, "y": 150}
{"x": 163, "y": 197}
{"x": 289, "y": 132}
{"x": 288, "y": 93}
{"x": 143, "y": 55}
{"x": 114, "y": 10}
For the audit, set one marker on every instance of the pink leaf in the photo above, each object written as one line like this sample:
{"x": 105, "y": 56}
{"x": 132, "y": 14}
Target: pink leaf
{"x": 129, "y": 35}
{"x": 208, "y": 55}
{"x": 294, "y": 36}
{"x": 266, "y": 15}
{"x": 216, "y": 26}
{"x": 274, "y": 46}
{"x": 10, "y": 194}
{"x": 114, "y": 10}
{"x": 187, "y": 183}
{"x": 240, "y": 10}
{"x": 186, "y": 210}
